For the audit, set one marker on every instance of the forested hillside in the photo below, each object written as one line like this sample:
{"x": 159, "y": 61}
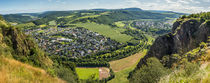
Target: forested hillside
{"x": 19, "y": 18}
{"x": 14, "y": 44}
{"x": 103, "y": 16}
{"x": 179, "y": 56}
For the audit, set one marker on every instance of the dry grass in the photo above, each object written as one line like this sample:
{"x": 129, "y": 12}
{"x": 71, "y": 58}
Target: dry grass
{"x": 127, "y": 62}
{"x": 122, "y": 72}
{"x": 208, "y": 55}
{"x": 12, "y": 71}
{"x": 200, "y": 76}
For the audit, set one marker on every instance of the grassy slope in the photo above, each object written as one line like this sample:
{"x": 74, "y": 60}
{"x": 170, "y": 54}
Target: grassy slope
{"x": 88, "y": 15}
{"x": 52, "y": 22}
{"x": 122, "y": 67}
{"x": 12, "y": 71}
{"x": 124, "y": 63}
{"x": 85, "y": 73}
{"x": 200, "y": 76}
{"x": 119, "y": 24}
{"x": 113, "y": 33}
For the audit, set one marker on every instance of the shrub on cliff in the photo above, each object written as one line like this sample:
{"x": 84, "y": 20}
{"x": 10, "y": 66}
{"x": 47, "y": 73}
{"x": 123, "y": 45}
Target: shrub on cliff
{"x": 149, "y": 73}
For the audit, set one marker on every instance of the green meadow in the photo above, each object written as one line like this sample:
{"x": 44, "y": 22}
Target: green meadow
{"x": 113, "y": 33}
{"x": 85, "y": 73}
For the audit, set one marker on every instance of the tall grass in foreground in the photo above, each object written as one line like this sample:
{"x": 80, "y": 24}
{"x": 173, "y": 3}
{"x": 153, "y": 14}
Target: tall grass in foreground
{"x": 12, "y": 71}
{"x": 191, "y": 74}
{"x": 180, "y": 76}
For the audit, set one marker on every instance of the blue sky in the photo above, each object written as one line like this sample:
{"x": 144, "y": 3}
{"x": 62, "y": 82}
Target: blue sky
{"x": 30, "y": 6}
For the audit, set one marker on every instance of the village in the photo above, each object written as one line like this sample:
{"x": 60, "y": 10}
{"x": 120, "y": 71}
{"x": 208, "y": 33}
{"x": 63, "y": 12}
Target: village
{"x": 153, "y": 24}
{"x": 71, "y": 42}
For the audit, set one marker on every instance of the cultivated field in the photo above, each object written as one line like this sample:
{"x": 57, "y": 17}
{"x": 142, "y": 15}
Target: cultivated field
{"x": 113, "y": 33}
{"x": 99, "y": 72}
{"x": 85, "y": 73}
{"x": 123, "y": 66}
{"x": 119, "y": 24}
{"x": 52, "y": 22}
{"x": 127, "y": 62}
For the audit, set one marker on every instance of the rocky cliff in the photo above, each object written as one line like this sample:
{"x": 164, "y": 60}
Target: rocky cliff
{"x": 20, "y": 46}
{"x": 16, "y": 46}
{"x": 187, "y": 34}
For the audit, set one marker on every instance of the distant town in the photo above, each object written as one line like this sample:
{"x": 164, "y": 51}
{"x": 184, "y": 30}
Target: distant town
{"x": 71, "y": 42}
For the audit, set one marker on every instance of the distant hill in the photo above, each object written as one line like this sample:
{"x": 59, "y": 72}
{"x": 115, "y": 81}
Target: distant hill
{"x": 100, "y": 9}
{"x": 114, "y": 15}
{"x": 166, "y": 12}
{"x": 132, "y": 9}
{"x": 128, "y": 9}
{"x": 18, "y": 18}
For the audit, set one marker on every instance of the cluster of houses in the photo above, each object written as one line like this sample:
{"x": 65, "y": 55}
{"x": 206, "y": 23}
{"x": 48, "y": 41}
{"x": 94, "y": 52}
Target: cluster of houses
{"x": 152, "y": 24}
{"x": 71, "y": 42}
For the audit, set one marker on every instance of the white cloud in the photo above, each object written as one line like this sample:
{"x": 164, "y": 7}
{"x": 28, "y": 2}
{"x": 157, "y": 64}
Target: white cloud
{"x": 94, "y": 3}
{"x": 206, "y": 0}
{"x": 186, "y": 6}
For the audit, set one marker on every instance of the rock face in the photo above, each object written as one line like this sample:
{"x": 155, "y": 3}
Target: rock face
{"x": 185, "y": 36}
{"x": 18, "y": 41}
{"x": 20, "y": 46}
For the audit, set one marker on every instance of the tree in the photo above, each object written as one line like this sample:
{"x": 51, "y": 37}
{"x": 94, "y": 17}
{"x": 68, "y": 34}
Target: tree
{"x": 149, "y": 73}
{"x": 1, "y": 18}
{"x": 184, "y": 16}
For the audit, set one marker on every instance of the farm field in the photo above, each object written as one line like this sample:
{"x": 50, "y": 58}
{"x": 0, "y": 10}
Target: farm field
{"x": 119, "y": 24}
{"x": 113, "y": 33}
{"x": 85, "y": 73}
{"x": 127, "y": 62}
{"x": 52, "y": 22}
{"x": 88, "y": 15}
{"x": 123, "y": 66}
{"x": 99, "y": 72}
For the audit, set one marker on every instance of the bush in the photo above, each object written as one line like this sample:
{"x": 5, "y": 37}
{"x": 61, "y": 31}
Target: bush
{"x": 190, "y": 68}
{"x": 66, "y": 74}
{"x": 1, "y": 18}
{"x": 149, "y": 73}
{"x": 184, "y": 16}
{"x": 188, "y": 72}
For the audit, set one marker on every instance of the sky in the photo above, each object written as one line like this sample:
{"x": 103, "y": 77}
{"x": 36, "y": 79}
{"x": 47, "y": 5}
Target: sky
{"x": 36, "y": 6}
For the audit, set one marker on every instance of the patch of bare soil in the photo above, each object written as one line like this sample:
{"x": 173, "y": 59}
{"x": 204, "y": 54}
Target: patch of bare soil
{"x": 103, "y": 72}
